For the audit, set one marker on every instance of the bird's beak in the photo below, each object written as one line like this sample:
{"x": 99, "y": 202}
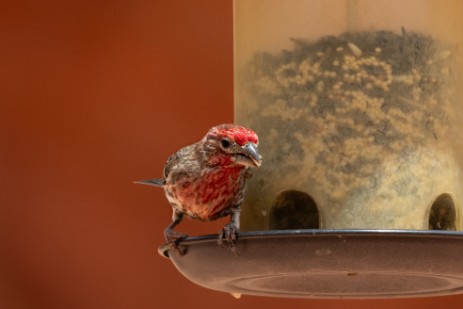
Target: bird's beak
{"x": 250, "y": 151}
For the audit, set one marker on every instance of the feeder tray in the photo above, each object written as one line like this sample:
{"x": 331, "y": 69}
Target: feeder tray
{"x": 327, "y": 263}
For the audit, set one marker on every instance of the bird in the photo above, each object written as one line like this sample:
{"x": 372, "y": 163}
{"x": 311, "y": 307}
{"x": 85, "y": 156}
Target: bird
{"x": 207, "y": 180}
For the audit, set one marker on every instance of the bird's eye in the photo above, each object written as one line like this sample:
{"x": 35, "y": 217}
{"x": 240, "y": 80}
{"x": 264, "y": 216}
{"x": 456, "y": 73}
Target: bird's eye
{"x": 225, "y": 143}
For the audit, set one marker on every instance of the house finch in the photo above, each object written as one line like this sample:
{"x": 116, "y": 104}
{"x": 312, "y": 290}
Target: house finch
{"x": 206, "y": 180}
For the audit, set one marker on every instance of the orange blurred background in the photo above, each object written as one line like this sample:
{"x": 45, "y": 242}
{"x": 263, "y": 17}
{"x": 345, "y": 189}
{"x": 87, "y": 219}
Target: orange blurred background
{"x": 95, "y": 95}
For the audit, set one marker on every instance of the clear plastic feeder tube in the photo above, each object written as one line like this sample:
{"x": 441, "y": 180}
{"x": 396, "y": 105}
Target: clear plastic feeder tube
{"x": 357, "y": 104}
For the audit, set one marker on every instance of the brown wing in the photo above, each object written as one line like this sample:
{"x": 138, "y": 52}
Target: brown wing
{"x": 185, "y": 160}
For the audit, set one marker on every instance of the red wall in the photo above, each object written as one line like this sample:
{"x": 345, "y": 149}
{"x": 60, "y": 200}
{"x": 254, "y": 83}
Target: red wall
{"x": 94, "y": 95}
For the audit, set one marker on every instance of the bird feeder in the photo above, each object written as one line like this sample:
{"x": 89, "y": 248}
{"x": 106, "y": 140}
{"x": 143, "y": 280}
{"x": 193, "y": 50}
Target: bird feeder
{"x": 357, "y": 104}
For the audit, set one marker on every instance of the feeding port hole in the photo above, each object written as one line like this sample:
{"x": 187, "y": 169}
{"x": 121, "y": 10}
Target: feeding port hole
{"x": 442, "y": 215}
{"x": 293, "y": 209}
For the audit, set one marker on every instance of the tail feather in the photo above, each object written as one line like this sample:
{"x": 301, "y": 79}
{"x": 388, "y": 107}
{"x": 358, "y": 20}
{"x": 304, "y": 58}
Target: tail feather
{"x": 158, "y": 182}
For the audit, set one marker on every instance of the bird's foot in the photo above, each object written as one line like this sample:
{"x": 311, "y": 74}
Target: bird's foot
{"x": 228, "y": 236}
{"x": 173, "y": 239}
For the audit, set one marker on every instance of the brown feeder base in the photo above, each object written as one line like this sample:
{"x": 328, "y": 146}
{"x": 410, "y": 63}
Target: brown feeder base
{"x": 327, "y": 263}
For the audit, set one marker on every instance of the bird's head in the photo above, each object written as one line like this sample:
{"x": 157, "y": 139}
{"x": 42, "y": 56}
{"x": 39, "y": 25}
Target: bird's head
{"x": 229, "y": 144}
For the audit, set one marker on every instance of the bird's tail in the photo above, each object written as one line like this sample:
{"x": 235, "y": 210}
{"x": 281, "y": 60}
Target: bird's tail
{"x": 158, "y": 182}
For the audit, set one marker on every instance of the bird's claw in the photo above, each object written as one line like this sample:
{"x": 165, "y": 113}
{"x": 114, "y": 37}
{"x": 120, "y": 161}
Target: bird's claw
{"x": 173, "y": 239}
{"x": 227, "y": 237}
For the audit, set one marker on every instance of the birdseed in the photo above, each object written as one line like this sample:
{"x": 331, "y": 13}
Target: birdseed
{"x": 362, "y": 122}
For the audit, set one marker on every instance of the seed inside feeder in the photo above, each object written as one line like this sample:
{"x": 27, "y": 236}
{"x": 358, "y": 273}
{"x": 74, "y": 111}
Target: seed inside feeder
{"x": 360, "y": 122}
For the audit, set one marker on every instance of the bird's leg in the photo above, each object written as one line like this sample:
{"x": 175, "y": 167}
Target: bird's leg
{"x": 172, "y": 237}
{"x": 229, "y": 233}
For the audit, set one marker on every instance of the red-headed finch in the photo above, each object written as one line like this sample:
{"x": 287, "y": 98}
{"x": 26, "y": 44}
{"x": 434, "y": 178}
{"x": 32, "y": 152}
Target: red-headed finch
{"x": 207, "y": 180}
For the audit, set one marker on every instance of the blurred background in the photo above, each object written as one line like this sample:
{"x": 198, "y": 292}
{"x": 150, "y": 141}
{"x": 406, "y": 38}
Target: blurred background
{"x": 95, "y": 95}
